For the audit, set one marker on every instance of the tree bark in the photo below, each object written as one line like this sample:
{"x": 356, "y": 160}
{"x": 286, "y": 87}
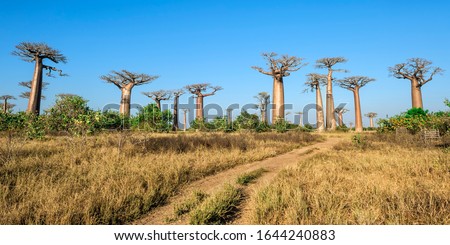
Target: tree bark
{"x": 34, "y": 102}
{"x": 416, "y": 94}
{"x": 278, "y": 99}
{"x": 358, "y": 116}
{"x": 371, "y": 122}
{"x": 158, "y": 104}
{"x": 199, "y": 107}
{"x": 319, "y": 110}
{"x": 184, "y": 121}
{"x": 263, "y": 115}
{"x": 125, "y": 101}
{"x": 175, "y": 114}
{"x": 331, "y": 120}
{"x": 340, "y": 119}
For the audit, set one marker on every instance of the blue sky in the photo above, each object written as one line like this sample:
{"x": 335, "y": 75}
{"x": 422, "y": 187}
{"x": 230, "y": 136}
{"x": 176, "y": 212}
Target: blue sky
{"x": 218, "y": 41}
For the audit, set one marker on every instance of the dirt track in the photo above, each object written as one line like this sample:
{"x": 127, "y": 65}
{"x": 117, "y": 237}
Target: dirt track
{"x": 209, "y": 184}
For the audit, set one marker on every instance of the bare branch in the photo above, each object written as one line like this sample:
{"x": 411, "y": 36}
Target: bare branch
{"x": 124, "y": 77}
{"x": 330, "y": 62}
{"x": 29, "y": 52}
{"x": 415, "y": 69}
{"x": 178, "y": 92}
{"x": 371, "y": 115}
{"x": 354, "y": 83}
{"x": 281, "y": 66}
{"x": 199, "y": 89}
{"x": 314, "y": 80}
{"x": 159, "y": 95}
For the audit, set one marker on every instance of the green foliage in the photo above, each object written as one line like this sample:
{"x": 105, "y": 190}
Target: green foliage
{"x": 281, "y": 126}
{"x": 416, "y": 112}
{"x": 360, "y": 141}
{"x": 246, "y": 121}
{"x": 191, "y": 203}
{"x": 447, "y": 102}
{"x": 151, "y": 118}
{"x": 35, "y": 126}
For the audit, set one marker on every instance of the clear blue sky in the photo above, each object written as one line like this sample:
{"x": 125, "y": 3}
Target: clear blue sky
{"x": 218, "y": 41}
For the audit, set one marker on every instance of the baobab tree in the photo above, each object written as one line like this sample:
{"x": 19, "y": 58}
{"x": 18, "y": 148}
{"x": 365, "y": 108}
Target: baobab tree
{"x": 158, "y": 96}
{"x": 5, "y": 99}
{"x": 125, "y": 81}
{"x": 300, "y": 124}
{"x": 328, "y": 64}
{"x": 371, "y": 115}
{"x": 9, "y": 106}
{"x": 340, "y": 112}
{"x": 263, "y": 101}
{"x": 314, "y": 82}
{"x": 419, "y": 71}
{"x": 26, "y": 95}
{"x": 279, "y": 68}
{"x": 176, "y": 96}
{"x": 200, "y": 90}
{"x": 354, "y": 84}
{"x": 38, "y": 52}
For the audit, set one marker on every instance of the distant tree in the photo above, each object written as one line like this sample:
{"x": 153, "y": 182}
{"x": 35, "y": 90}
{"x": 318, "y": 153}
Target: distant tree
{"x": 5, "y": 104}
{"x": 300, "y": 124}
{"x": 38, "y": 52}
{"x": 328, "y": 64}
{"x": 263, "y": 101}
{"x": 354, "y": 84}
{"x": 176, "y": 95}
{"x": 199, "y": 90}
{"x": 125, "y": 81}
{"x": 314, "y": 82}
{"x": 279, "y": 68}
{"x": 419, "y": 71}
{"x": 371, "y": 115}
{"x": 158, "y": 96}
{"x": 340, "y": 111}
{"x": 26, "y": 95}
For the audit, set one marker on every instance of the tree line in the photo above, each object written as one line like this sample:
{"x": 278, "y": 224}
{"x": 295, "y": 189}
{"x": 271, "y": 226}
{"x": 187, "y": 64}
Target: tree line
{"x": 418, "y": 71}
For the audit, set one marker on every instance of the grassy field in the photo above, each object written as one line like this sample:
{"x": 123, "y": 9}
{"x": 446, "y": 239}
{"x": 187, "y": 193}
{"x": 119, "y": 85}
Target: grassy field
{"x": 378, "y": 179}
{"x": 116, "y": 178}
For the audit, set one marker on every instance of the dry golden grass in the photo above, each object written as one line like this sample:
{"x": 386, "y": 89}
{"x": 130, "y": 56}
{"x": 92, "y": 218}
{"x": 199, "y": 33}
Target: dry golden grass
{"x": 115, "y": 178}
{"x": 380, "y": 183}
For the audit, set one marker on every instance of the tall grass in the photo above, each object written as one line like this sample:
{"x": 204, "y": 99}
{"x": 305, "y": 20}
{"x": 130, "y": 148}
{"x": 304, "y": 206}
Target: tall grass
{"x": 116, "y": 178}
{"x": 384, "y": 183}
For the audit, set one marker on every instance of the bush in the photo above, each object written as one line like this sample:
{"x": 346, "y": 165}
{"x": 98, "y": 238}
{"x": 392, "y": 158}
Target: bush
{"x": 151, "y": 118}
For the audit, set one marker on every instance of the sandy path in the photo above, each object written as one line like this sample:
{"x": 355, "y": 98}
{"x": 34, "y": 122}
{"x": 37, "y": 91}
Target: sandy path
{"x": 209, "y": 184}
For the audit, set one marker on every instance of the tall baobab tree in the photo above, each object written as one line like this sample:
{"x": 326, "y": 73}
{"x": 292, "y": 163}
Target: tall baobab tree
{"x": 263, "y": 101}
{"x": 354, "y": 84}
{"x": 371, "y": 115}
{"x": 158, "y": 96}
{"x": 176, "y": 96}
{"x": 328, "y": 64}
{"x": 340, "y": 112}
{"x": 125, "y": 81}
{"x": 314, "y": 82}
{"x": 419, "y": 71}
{"x": 26, "y": 95}
{"x": 200, "y": 90}
{"x": 300, "y": 124}
{"x": 279, "y": 68}
{"x": 38, "y": 52}
{"x": 5, "y": 99}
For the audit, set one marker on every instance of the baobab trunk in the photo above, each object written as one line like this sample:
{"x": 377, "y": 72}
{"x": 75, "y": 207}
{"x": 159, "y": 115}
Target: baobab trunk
{"x": 158, "y": 104}
{"x": 319, "y": 110}
{"x": 331, "y": 120}
{"x": 371, "y": 122}
{"x": 175, "y": 114}
{"x": 125, "y": 101}
{"x": 263, "y": 115}
{"x": 34, "y": 103}
{"x": 199, "y": 108}
{"x": 416, "y": 94}
{"x": 340, "y": 119}
{"x": 278, "y": 100}
{"x": 5, "y": 107}
{"x": 358, "y": 116}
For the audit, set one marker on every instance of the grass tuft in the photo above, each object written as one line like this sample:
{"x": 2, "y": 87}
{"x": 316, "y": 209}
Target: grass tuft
{"x": 247, "y": 178}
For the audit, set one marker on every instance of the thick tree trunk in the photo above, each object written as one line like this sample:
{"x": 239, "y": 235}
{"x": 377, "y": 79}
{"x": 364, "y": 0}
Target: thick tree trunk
{"x": 340, "y": 119}
{"x": 199, "y": 107}
{"x": 5, "y": 106}
{"x": 158, "y": 104}
{"x": 319, "y": 111}
{"x": 184, "y": 121}
{"x": 175, "y": 114}
{"x": 125, "y": 101}
{"x": 263, "y": 115}
{"x": 416, "y": 94}
{"x": 371, "y": 122}
{"x": 331, "y": 120}
{"x": 358, "y": 116}
{"x": 34, "y": 102}
{"x": 300, "y": 124}
{"x": 229, "y": 117}
{"x": 278, "y": 99}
